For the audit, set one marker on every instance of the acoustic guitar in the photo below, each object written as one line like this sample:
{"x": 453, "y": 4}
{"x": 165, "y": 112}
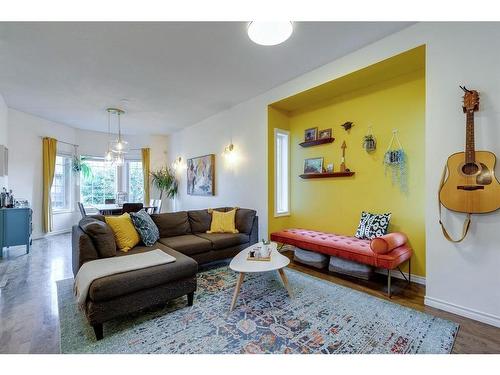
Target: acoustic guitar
{"x": 469, "y": 184}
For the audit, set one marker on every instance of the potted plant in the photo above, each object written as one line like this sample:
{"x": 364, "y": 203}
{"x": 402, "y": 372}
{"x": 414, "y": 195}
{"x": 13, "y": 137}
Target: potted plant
{"x": 164, "y": 180}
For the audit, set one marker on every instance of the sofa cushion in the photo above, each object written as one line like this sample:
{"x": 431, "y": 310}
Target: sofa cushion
{"x": 101, "y": 236}
{"x": 244, "y": 219}
{"x": 200, "y": 220}
{"x": 126, "y": 236}
{"x": 223, "y": 222}
{"x": 172, "y": 223}
{"x": 372, "y": 225}
{"x": 146, "y": 227}
{"x": 187, "y": 244}
{"x": 225, "y": 240}
{"x": 113, "y": 286}
{"x": 387, "y": 243}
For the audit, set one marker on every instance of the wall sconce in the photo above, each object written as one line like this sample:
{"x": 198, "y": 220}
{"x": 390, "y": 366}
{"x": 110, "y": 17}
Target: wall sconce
{"x": 229, "y": 148}
{"x": 177, "y": 163}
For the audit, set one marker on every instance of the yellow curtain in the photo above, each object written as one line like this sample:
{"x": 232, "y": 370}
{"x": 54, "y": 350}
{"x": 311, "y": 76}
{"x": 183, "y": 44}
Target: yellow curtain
{"x": 49, "y": 165}
{"x": 146, "y": 172}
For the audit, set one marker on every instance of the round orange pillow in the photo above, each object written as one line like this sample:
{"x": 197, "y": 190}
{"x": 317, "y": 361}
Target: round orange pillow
{"x": 388, "y": 242}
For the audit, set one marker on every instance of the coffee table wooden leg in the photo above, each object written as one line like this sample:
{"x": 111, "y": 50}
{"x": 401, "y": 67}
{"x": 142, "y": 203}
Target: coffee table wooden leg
{"x": 237, "y": 290}
{"x": 285, "y": 281}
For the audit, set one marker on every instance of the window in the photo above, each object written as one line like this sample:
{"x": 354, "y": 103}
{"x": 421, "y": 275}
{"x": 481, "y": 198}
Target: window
{"x": 135, "y": 181}
{"x": 281, "y": 172}
{"x": 61, "y": 185}
{"x": 100, "y": 184}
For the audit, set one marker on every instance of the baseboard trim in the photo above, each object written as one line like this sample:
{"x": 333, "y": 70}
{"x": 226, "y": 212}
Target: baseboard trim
{"x": 396, "y": 274}
{"x": 463, "y": 311}
{"x": 50, "y": 234}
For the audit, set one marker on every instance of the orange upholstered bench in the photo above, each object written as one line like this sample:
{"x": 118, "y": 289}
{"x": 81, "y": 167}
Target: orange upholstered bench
{"x": 387, "y": 252}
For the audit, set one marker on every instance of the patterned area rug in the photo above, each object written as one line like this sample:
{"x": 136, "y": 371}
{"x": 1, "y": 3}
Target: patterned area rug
{"x": 321, "y": 318}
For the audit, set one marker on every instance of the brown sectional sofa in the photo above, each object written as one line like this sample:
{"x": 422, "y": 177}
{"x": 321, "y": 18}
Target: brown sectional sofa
{"x": 182, "y": 235}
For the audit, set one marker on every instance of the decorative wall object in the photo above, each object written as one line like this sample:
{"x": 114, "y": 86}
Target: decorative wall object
{"x": 369, "y": 142}
{"x": 347, "y": 125}
{"x": 311, "y": 134}
{"x": 313, "y": 165}
{"x": 201, "y": 175}
{"x": 395, "y": 160}
{"x": 325, "y": 134}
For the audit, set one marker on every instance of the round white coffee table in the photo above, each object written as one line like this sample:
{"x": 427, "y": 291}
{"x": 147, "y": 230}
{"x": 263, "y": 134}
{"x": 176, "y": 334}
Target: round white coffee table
{"x": 241, "y": 264}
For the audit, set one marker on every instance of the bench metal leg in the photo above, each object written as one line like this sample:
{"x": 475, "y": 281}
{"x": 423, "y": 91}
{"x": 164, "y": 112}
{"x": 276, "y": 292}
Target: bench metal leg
{"x": 389, "y": 283}
{"x": 409, "y": 271}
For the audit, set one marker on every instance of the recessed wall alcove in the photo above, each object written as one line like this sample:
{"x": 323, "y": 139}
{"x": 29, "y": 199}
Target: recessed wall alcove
{"x": 387, "y": 95}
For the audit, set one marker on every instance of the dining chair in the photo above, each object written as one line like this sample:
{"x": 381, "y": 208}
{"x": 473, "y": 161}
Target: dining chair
{"x": 110, "y": 201}
{"x": 82, "y": 209}
{"x": 155, "y": 206}
{"x": 132, "y": 207}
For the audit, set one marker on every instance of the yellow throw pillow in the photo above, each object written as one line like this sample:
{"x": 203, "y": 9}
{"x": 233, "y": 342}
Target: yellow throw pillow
{"x": 223, "y": 222}
{"x": 125, "y": 234}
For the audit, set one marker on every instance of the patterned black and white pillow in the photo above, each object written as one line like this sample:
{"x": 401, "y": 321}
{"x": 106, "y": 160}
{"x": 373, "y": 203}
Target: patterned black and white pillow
{"x": 372, "y": 225}
{"x": 146, "y": 227}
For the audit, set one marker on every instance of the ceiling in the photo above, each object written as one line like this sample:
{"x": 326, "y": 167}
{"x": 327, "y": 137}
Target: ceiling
{"x": 173, "y": 74}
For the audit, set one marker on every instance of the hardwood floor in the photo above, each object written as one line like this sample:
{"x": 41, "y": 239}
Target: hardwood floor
{"x": 29, "y": 321}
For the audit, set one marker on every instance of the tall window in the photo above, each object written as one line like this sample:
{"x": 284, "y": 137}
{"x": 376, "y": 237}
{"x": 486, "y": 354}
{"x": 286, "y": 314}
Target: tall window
{"x": 61, "y": 185}
{"x": 135, "y": 181}
{"x": 100, "y": 184}
{"x": 281, "y": 172}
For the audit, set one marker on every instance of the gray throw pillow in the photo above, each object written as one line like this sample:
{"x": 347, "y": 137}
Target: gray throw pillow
{"x": 101, "y": 236}
{"x": 146, "y": 227}
{"x": 372, "y": 225}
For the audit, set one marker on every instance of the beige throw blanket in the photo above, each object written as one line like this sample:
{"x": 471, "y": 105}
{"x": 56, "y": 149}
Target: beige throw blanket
{"x": 96, "y": 269}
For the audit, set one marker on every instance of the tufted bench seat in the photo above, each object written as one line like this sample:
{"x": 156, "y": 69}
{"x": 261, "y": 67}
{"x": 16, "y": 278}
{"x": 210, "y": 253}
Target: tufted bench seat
{"x": 391, "y": 257}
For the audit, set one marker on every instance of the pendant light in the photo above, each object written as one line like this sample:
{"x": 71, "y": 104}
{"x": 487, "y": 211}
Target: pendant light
{"x": 108, "y": 156}
{"x": 120, "y": 145}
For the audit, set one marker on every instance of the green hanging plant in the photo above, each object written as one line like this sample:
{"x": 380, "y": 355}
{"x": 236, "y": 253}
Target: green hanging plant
{"x": 395, "y": 160}
{"x": 165, "y": 181}
{"x": 79, "y": 166}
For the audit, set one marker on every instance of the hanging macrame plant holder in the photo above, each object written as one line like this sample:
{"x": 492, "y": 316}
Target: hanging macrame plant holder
{"x": 369, "y": 142}
{"x": 395, "y": 161}
{"x": 76, "y": 163}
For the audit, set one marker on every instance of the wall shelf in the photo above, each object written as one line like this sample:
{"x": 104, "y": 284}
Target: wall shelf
{"x": 317, "y": 142}
{"x": 326, "y": 175}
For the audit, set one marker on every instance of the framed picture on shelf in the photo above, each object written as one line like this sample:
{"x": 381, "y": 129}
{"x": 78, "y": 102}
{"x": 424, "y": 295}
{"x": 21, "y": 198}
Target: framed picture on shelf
{"x": 325, "y": 134}
{"x": 311, "y": 134}
{"x": 313, "y": 165}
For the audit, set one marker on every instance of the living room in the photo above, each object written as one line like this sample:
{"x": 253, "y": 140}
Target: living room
{"x": 232, "y": 193}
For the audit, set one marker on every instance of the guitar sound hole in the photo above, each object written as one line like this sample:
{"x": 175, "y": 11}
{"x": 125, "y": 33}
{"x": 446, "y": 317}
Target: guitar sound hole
{"x": 470, "y": 169}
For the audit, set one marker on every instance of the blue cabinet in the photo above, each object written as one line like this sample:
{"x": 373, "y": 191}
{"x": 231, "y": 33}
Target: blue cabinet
{"x": 15, "y": 227}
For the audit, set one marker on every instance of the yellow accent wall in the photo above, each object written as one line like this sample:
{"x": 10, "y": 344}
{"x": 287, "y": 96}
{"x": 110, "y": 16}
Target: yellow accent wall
{"x": 335, "y": 204}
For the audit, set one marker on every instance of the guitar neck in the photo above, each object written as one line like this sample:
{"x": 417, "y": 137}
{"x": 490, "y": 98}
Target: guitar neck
{"x": 469, "y": 138}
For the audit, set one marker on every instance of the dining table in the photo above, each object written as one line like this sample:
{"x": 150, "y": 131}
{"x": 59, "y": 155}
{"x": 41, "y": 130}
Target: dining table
{"x": 113, "y": 208}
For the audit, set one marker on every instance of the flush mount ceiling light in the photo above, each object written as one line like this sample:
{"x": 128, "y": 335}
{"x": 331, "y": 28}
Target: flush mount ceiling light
{"x": 269, "y": 33}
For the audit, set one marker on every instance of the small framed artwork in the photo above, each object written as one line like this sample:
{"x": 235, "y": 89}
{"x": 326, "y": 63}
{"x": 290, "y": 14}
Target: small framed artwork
{"x": 313, "y": 165}
{"x": 325, "y": 133}
{"x": 329, "y": 168}
{"x": 311, "y": 134}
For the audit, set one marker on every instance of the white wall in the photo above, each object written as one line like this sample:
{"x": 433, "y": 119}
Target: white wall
{"x": 3, "y": 134}
{"x": 460, "y": 278}
{"x": 25, "y": 159}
